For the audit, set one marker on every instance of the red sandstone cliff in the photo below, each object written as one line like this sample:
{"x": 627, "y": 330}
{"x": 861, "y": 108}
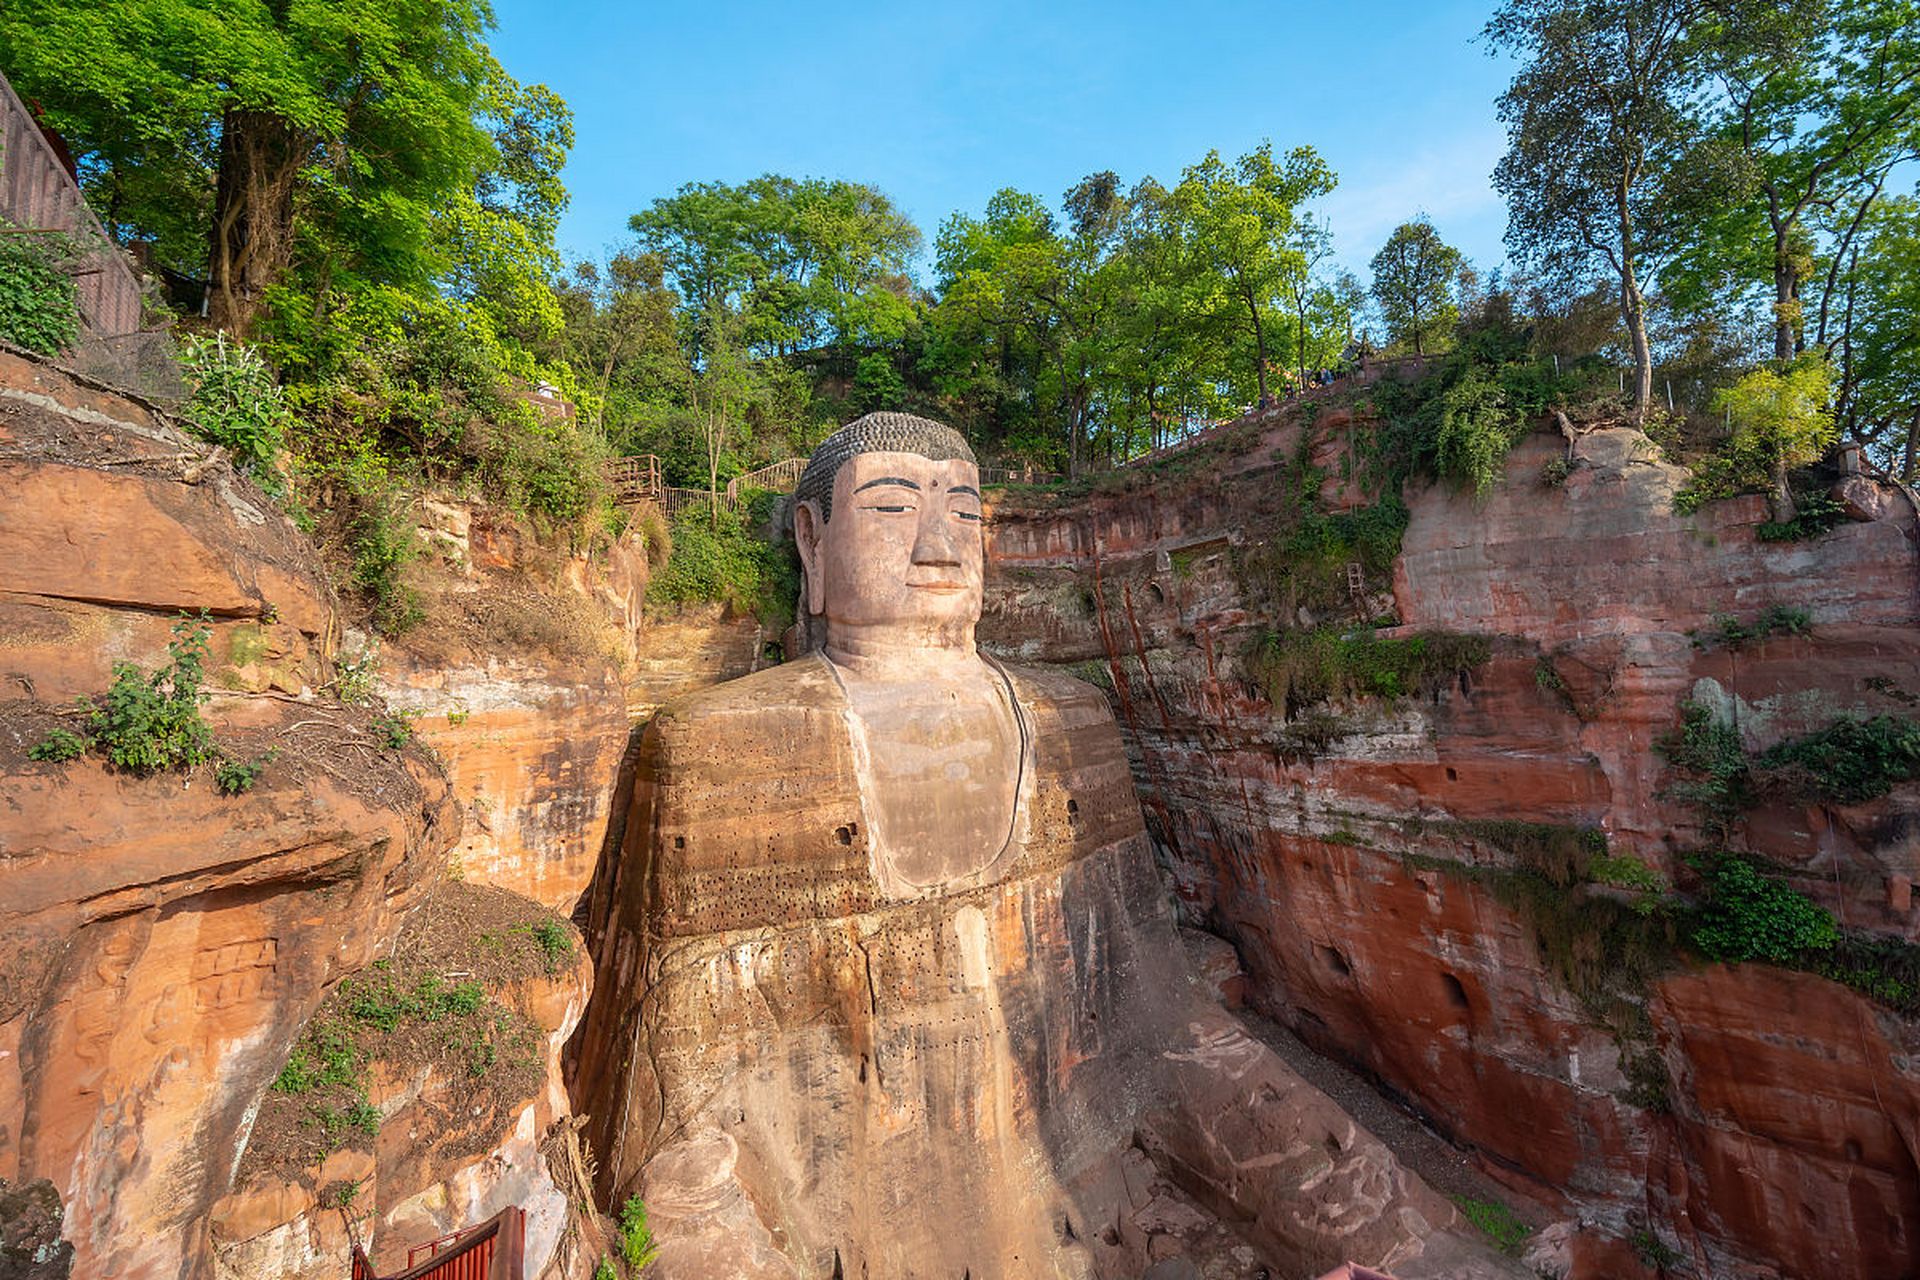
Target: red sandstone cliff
{"x": 1743, "y": 1120}
{"x": 164, "y": 948}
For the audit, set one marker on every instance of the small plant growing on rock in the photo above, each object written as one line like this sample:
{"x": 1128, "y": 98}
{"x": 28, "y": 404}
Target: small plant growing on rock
{"x": 151, "y": 721}
{"x": 233, "y": 401}
{"x": 637, "y": 1249}
{"x": 236, "y": 776}
{"x": 354, "y": 678}
{"x": 555, "y": 941}
{"x": 394, "y": 728}
{"x": 60, "y": 745}
{"x": 148, "y": 721}
{"x": 1494, "y": 1219}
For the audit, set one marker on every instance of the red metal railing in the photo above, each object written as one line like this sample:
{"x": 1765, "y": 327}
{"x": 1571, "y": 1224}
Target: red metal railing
{"x": 494, "y": 1250}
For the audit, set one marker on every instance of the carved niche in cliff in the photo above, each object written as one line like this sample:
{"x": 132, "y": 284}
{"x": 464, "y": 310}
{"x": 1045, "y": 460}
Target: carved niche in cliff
{"x": 887, "y": 983}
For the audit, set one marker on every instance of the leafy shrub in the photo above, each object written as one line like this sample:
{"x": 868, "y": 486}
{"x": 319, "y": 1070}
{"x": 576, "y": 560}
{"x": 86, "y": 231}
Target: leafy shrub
{"x": 394, "y": 728}
{"x": 1748, "y": 915}
{"x": 1478, "y": 428}
{"x": 235, "y": 776}
{"x": 60, "y": 745}
{"x": 39, "y": 307}
{"x": 1708, "y": 750}
{"x": 1778, "y": 619}
{"x": 555, "y": 941}
{"x": 233, "y": 401}
{"x": 1850, "y": 761}
{"x": 383, "y": 544}
{"x": 723, "y": 561}
{"x": 150, "y": 721}
{"x": 323, "y": 1056}
{"x": 1816, "y": 513}
{"x": 380, "y": 1002}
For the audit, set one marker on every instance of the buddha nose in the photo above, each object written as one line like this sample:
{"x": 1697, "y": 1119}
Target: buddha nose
{"x": 935, "y": 543}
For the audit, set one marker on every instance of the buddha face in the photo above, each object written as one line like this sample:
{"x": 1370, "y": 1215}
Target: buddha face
{"x": 903, "y": 551}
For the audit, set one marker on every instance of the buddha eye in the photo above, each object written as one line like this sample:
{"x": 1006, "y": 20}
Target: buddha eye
{"x": 968, "y": 515}
{"x": 890, "y": 510}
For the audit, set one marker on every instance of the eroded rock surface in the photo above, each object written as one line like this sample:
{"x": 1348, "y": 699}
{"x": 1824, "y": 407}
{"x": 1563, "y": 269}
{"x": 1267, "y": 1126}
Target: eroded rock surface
{"x": 1749, "y": 1121}
{"x": 1019, "y": 1075}
{"x": 161, "y": 944}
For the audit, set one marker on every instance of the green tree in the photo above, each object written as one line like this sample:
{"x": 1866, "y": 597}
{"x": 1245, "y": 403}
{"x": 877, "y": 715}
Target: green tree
{"x": 1876, "y": 343}
{"x": 1821, "y": 98}
{"x": 1413, "y": 281}
{"x": 347, "y": 122}
{"x": 1240, "y": 218}
{"x": 1597, "y": 129}
{"x": 805, "y": 261}
{"x": 1167, "y": 350}
{"x": 1781, "y": 416}
{"x": 618, "y": 318}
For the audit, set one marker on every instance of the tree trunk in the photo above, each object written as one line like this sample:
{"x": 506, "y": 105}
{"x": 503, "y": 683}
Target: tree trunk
{"x": 1633, "y": 310}
{"x": 1913, "y": 441}
{"x": 1786, "y": 303}
{"x": 250, "y": 245}
{"x": 1781, "y": 500}
{"x": 1259, "y": 348}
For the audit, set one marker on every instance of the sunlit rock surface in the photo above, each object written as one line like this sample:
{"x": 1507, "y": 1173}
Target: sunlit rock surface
{"x": 1345, "y": 874}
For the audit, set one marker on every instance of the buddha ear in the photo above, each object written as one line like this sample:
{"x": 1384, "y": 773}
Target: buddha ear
{"x": 809, "y": 534}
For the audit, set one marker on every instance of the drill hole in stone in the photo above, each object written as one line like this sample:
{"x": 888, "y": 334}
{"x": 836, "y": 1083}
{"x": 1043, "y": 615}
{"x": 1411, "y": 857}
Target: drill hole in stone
{"x": 1453, "y": 775}
{"x": 843, "y": 834}
{"x": 679, "y": 842}
{"x": 1073, "y": 812}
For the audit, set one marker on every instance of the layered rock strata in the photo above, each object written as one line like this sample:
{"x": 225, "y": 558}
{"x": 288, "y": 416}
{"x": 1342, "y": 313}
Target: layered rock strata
{"x": 515, "y": 676}
{"x": 1747, "y": 1121}
{"x": 161, "y": 943}
{"x": 806, "y": 1074}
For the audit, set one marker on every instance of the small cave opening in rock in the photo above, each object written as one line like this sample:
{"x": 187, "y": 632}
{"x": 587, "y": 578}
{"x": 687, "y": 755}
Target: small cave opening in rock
{"x": 1332, "y": 958}
{"x": 1456, "y": 993}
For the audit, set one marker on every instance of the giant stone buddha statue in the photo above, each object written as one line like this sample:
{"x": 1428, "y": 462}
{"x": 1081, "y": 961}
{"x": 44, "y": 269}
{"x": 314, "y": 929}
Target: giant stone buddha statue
{"x": 887, "y": 985}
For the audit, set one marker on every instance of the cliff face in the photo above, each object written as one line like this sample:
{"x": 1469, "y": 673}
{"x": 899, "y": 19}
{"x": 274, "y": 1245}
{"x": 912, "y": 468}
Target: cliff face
{"x": 515, "y": 677}
{"x": 238, "y": 1031}
{"x": 161, "y": 944}
{"x": 1361, "y": 852}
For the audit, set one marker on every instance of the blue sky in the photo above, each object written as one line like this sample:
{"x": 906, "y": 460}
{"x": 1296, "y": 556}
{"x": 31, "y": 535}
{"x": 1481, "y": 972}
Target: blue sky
{"x": 940, "y": 105}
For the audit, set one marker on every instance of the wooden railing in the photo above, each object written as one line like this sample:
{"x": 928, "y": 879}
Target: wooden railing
{"x": 38, "y": 196}
{"x": 779, "y": 477}
{"x": 494, "y": 1250}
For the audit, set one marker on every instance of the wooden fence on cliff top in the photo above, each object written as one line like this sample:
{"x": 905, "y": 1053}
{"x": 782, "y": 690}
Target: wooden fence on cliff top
{"x": 38, "y": 196}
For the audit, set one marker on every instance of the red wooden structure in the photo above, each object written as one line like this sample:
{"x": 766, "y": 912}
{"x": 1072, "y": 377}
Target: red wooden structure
{"x": 37, "y": 195}
{"x": 494, "y": 1250}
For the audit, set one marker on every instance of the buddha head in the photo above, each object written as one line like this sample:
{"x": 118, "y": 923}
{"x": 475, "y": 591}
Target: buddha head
{"x": 888, "y": 520}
